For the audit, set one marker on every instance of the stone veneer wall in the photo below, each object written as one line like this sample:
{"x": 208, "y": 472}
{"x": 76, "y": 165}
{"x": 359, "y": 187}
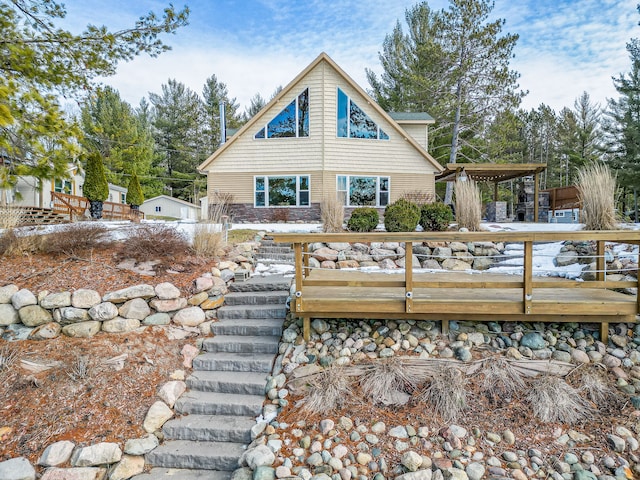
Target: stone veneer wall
{"x": 247, "y": 213}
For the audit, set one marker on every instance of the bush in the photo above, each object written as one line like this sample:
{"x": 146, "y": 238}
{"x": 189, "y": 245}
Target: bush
{"x": 95, "y": 186}
{"x": 401, "y": 216}
{"x": 435, "y": 217}
{"x": 363, "y": 219}
{"x": 134, "y": 191}
{"x": 76, "y": 238}
{"x": 153, "y": 241}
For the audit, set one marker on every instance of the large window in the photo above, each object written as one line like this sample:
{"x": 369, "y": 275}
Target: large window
{"x": 359, "y": 191}
{"x": 282, "y": 191}
{"x": 62, "y": 186}
{"x": 352, "y": 122}
{"x": 292, "y": 121}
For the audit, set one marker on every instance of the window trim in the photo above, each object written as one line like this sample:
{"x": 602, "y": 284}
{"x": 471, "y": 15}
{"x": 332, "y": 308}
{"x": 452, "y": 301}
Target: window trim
{"x": 298, "y": 178}
{"x": 347, "y": 202}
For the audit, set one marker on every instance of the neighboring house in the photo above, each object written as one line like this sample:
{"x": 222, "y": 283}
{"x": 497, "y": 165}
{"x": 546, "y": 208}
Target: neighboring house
{"x": 322, "y": 136}
{"x": 30, "y": 195}
{"x": 165, "y": 206}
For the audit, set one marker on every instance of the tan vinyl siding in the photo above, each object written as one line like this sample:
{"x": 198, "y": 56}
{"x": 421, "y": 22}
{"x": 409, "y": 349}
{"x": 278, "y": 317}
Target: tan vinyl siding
{"x": 418, "y": 132}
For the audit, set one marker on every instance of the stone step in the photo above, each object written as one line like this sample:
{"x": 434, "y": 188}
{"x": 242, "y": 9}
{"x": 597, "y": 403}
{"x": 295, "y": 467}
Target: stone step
{"x": 252, "y": 311}
{"x": 275, "y": 248}
{"x": 277, "y": 258}
{"x": 215, "y": 403}
{"x": 196, "y": 455}
{"x": 256, "y": 298}
{"x": 235, "y": 362}
{"x": 181, "y": 474}
{"x": 241, "y": 344}
{"x": 269, "y": 283}
{"x": 248, "y": 326}
{"x": 245, "y": 383}
{"x": 210, "y": 428}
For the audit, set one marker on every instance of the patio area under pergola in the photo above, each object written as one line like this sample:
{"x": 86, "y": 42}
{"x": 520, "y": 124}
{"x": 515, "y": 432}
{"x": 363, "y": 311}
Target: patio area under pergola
{"x": 495, "y": 173}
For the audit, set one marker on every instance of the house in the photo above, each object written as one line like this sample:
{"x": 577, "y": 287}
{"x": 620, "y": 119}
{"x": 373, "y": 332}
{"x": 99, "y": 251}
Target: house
{"x": 27, "y": 194}
{"x": 322, "y": 136}
{"x": 165, "y": 206}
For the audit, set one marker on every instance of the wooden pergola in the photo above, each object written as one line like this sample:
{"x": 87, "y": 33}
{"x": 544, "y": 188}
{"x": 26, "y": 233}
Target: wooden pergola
{"x": 494, "y": 173}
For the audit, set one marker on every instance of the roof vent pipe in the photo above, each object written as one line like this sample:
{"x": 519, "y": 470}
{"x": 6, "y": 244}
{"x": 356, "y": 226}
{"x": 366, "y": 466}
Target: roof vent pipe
{"x": 223, "y": 124}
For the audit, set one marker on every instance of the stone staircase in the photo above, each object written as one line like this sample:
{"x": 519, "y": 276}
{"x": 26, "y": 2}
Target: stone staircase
{"x": 226, "y": 390}
{"x": 270, "y": 252}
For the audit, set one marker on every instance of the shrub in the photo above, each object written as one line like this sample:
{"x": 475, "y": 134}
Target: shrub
{"x": 435, "y": 217}
{"x": 363, "y": 219}
{"x": 76, "y": 238}
{"x": 152, "y": 241}
{"x": 95, "y": 186}
{"x": 332, "y": 215}
{"x": 468, "y": 205}
{"x": 401, "y": 216}
{"x": 134, "y": 191}
{"x": 596, "y": 190}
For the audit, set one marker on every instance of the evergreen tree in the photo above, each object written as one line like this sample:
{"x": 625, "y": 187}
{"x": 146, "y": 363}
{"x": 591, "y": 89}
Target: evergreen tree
{"x": 215, "y": 93}
{"x": 178, "y": 133}
{"x": 455, "y": 64}
{"x": 96, "y": 187}
{"x": 112, "y": 127}
{"x": 39, "y": 61}
{"x": 622, "y": 122}
{"x": 135, "y": 197}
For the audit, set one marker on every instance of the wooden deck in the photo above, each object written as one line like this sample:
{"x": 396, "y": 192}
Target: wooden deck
{"x": 445, "y": 296}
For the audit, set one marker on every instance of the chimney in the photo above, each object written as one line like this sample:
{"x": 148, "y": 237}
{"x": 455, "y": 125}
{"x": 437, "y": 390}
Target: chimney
{"x": 223, "y": 124}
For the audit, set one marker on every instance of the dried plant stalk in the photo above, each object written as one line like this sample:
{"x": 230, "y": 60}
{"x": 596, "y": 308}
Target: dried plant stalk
{"x": 597, "y": 193}
{"x": 332, "y": 215}
{"x": 446, "y": 393}
{"x": 468, "y": 205}
{"x": 388, "y": 382}
{"x": 8, "y": 357}
{"x": 327, "y": 390}
{"x": 501, "y": 379}
{"x": 554, "y": 400}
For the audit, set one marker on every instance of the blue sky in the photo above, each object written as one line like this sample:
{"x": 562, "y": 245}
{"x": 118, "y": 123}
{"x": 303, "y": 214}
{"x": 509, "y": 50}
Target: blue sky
{"x": 565, "y": 46}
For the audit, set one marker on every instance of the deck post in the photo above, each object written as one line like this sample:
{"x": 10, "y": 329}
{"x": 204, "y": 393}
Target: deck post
{"x": 306, "y": 328}
{"x": 305, "y": 259}
{"x": 536, "y": 197}
{"x": 601, "y": 265}
{"x": 408, "y": 276}
{"x": 527, "y": 290}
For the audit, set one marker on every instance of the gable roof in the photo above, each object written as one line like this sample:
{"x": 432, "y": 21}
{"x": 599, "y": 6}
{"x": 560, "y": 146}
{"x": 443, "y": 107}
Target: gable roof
{"x": 172, "y": 199}
{"x": 412, "y": 117}
{"x": 323, "y": 57}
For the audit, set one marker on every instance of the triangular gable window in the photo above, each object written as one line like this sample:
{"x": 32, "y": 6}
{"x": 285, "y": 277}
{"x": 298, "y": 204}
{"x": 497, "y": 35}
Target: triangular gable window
{"x": 354, "y": 123}
{"x": 292, "y": 121}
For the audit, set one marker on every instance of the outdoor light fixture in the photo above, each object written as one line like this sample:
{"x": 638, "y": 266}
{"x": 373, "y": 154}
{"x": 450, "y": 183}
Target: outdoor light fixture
{"x": 463, "y": 176}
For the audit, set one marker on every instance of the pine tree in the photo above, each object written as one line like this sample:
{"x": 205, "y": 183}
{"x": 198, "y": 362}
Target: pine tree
{"x": 96, "y": 187}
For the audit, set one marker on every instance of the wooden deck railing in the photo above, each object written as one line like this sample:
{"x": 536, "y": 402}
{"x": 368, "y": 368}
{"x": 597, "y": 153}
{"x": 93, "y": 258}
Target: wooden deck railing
{"x": 75, "y": 207}
{"x": 481, "y": 296}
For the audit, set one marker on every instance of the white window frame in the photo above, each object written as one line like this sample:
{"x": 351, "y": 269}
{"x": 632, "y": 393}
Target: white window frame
{"x": 298, "y": 191}
{"x": 347, "y": 202}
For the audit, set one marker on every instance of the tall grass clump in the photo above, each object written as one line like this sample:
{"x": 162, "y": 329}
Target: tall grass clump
{"x": 331, "y": 214}
{"x": 11, "y": 217}
{"x": 468, "y": 205}
{"x": 554, "y": 400}
{"x": 446, "y": 393}
{"x": 208, "y": 240}
{"x": 328, "y": 390}
{"x": 388, "y": 382}
{"x": 597, "y": 192}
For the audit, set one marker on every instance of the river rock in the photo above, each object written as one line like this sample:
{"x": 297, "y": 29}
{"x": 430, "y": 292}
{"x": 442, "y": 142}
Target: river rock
{"x": 103, "y": 311}
{"x": 259, "y": 456}
{"x": 137, "y": 291}
{"x": 411, "y": 460}
{"x": 46, "y": 332}
{"x": 120, "y": 325}
{"x": 104, "y": 453}
{"x": 157, "y": 415}
{"x": 157, "y": 319}
{"x": 7, "y": 292}
{"x": 17, "y": 468}
{"x": 85, "y": 298}
{"x": 168, "y": 305}
{"x": 56, "y": 300}
{"x": 141, "y": 446}
{"x": 82, "y": 329}
{"x": 171, "y": 391}
{"x": 127, "y": 467}
{"x": 82, "y": 473}
{"x": 23, "y": 298}
{"x": 136, "y": 308}
{"x": 56, "y": 454}
{"x": 533, "y": 340}
{"x": 189, "y": 317}
{"x": 34, "y": 315}
{"x": 8, "y": 315}
{"x": 68, "y": 315}
{"x": 566, "y": 258}
{"x": 418, "y": 475}
{"x": 167, "y": 291}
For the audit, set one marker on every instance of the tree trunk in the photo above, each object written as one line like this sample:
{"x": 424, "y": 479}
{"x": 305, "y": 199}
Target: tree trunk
{"x": 448, "y": 196}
